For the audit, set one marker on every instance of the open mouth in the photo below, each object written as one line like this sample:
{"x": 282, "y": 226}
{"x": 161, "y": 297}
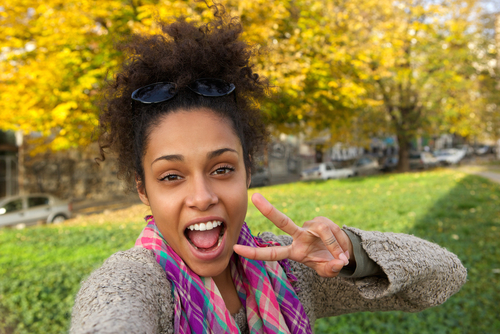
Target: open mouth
{"x": 206, "y": 236}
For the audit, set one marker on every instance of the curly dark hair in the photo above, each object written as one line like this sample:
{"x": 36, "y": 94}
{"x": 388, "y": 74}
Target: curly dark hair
{"x": 182, "y": 53}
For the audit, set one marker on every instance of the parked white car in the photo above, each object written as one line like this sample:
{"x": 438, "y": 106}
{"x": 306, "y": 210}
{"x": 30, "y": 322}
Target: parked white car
{"x": 422, "y": 160}
{"x": 29, "y": 209}
{"x": 325, "y": 171}
{"x": 450, "y": 156}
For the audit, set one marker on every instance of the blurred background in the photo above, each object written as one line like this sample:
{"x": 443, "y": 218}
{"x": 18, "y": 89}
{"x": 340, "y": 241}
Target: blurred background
{"x": 351, "y": 78}
{"x": 400, "y": 99}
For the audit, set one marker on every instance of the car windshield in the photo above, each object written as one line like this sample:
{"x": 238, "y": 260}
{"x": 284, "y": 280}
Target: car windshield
{"x": 12, "y": 206}
{"x": 362, "y": 161}
{"x": 441, "y": 153}
{"x": 311, "y": 170}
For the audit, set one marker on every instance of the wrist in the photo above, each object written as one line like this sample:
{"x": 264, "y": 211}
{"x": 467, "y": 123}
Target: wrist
{"x": 349, "y": 248}
{"x": 351, "y": 251}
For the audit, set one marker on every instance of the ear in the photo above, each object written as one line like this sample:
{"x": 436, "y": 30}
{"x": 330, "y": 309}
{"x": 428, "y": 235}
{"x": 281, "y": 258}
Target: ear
{"x": 141, "y": 190}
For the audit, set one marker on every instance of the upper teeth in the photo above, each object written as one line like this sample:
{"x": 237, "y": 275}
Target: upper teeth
{"x": 205, "y": 226}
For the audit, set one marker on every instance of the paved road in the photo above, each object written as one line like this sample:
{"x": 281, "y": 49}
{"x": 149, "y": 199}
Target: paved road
{"x": 88, "y": 207}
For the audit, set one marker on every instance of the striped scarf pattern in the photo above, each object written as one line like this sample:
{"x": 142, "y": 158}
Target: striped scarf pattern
{"x": 271, "y": 304}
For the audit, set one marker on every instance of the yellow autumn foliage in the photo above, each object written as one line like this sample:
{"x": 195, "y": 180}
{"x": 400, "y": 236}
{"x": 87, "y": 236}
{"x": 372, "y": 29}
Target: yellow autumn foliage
{"x": 335, "y": 65}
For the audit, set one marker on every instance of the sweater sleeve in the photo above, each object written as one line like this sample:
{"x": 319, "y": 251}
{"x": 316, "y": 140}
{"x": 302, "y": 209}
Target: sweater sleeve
{"x": 364, "y": 265}
{"x": 128, "y": 294}
{"x": 418, "y": 274}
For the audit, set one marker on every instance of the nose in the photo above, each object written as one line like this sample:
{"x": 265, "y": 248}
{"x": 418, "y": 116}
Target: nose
{"x": 202, "y": 196}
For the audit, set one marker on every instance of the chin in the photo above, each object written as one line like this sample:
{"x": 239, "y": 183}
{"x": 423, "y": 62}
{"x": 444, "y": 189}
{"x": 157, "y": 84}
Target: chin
{"x": 210, "y": 268}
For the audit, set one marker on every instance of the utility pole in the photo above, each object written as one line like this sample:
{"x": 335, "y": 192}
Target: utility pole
{"x": 20, "y": 162}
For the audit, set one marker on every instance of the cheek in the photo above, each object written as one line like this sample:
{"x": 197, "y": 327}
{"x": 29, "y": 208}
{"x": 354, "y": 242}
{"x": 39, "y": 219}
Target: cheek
{"x": 166, "y": 207}
{"x": 237, "y": 202}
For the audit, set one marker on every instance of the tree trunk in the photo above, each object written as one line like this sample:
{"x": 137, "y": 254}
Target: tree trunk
{"x": 404, "y": 152}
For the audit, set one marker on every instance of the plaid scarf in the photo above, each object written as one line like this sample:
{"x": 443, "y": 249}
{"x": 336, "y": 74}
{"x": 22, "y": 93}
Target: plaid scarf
{"x": 271, "y": 303}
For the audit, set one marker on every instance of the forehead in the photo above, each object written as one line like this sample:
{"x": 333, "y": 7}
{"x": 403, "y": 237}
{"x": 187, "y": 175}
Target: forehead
{"x": 190, "y": 132}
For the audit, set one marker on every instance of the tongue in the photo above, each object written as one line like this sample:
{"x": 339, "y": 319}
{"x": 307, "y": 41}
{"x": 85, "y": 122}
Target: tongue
{"x": 204, "y": 239}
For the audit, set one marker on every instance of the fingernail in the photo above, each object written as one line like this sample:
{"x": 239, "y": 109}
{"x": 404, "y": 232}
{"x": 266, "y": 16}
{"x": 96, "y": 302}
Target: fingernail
{"x": 335, "y": 271}
{"x": 347, "y": 254}
{"x": 344, "y": 258}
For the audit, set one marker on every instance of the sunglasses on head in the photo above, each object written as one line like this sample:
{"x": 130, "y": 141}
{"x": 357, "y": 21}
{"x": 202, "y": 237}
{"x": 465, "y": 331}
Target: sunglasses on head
{"x": 164, "y": 91}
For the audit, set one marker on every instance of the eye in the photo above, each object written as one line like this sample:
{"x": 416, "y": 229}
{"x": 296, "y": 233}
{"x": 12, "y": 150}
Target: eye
{"x": 171, "y": 177}
{"x": 223, "y": 170}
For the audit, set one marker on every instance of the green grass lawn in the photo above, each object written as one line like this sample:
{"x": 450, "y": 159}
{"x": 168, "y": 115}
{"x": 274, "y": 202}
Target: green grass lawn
{"x": 41, "y": 267}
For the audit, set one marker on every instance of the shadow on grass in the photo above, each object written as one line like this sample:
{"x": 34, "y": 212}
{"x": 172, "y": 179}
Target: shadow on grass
{"x": 467, "y": 222}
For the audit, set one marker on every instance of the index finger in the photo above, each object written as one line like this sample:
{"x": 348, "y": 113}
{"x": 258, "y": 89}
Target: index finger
{"x": 278, "y": 218}
{"x": 275, "y": 253}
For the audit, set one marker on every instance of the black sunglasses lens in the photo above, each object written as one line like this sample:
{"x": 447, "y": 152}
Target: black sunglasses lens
{"x": 211, "y": 87}
{"x": 155, "y": 93}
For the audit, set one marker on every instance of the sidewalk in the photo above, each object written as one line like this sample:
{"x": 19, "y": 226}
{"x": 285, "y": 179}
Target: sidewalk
{"x": 491, "y": 173}
{"x": 493, "y": 176}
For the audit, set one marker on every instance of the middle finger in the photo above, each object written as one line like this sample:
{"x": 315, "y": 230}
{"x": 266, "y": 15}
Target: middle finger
{"x": 325, "y": 230}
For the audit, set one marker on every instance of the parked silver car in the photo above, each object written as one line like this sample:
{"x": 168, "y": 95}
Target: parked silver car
{"x": 29, "y": 209}
{"x": 365, "y": 166}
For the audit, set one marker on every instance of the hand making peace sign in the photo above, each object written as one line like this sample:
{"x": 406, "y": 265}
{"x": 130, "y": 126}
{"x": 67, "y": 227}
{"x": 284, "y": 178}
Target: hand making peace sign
{"x": 319, "y": 243}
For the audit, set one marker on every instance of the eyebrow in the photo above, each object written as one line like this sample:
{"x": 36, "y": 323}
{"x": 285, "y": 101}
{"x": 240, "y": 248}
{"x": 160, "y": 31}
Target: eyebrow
{"x": 179, "y": 157}
{"x": 171, "y": 157}
{"x": 216, "y": 153}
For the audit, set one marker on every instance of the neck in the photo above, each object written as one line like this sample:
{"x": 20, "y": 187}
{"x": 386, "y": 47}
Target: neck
{"x": 223, "y": 278}
{"x": 226, "y": 287}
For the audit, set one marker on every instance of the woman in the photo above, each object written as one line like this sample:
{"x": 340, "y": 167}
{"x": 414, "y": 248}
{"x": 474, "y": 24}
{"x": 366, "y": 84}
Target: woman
{"x": 182, "y": 117}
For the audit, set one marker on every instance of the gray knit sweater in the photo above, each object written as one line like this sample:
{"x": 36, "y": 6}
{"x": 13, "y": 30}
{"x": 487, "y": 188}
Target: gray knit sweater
{"x": 130, "y": 293}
